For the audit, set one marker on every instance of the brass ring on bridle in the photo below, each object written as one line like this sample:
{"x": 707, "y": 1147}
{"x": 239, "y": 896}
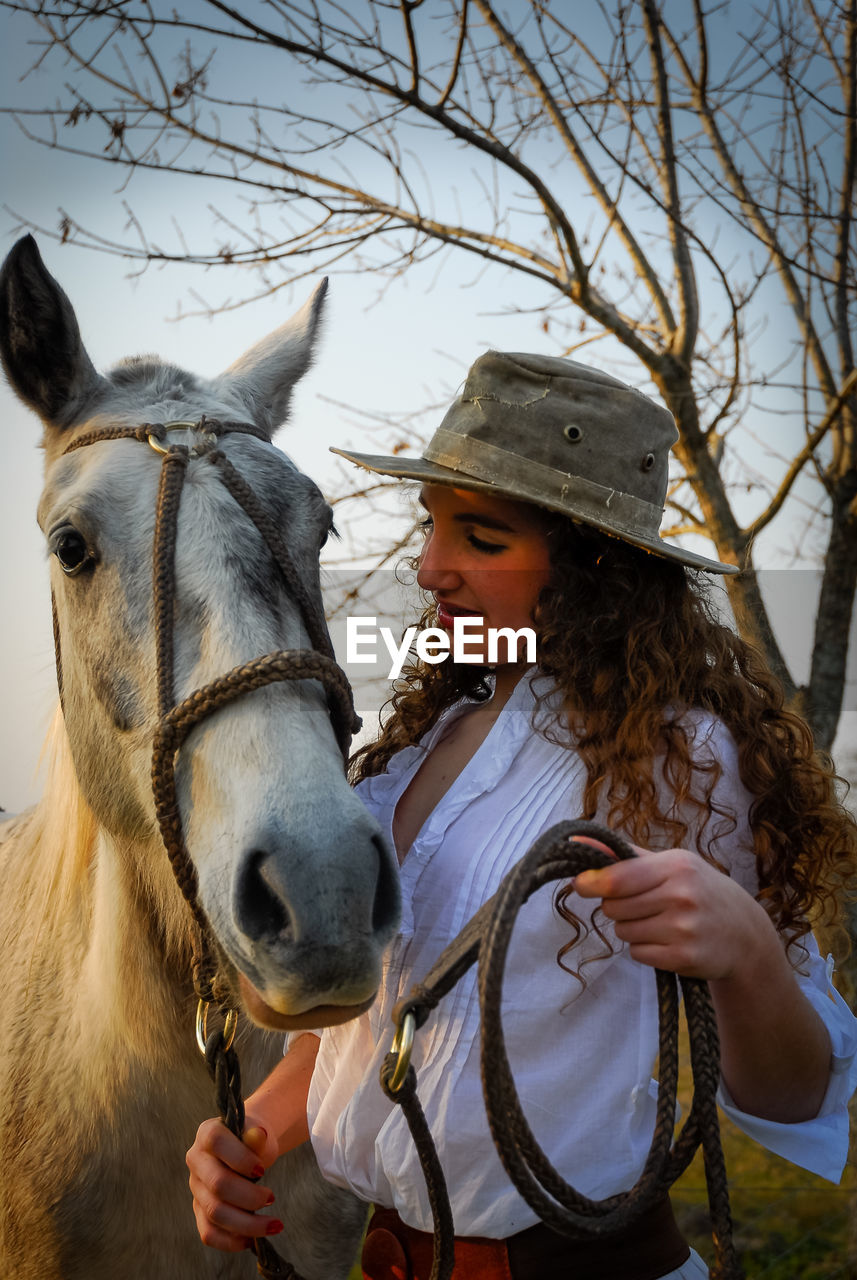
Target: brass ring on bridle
{"x": 403, "y": 1043}
{"x": 230, "y": 1026}
{"x": 207, "y": 437}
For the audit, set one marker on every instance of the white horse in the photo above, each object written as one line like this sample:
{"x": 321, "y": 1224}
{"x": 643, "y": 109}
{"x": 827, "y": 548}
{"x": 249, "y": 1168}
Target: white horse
{"x": 102, "y": 1084}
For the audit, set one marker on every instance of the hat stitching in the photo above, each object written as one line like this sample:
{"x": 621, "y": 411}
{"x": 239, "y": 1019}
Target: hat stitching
{"x": 479, "y": 396}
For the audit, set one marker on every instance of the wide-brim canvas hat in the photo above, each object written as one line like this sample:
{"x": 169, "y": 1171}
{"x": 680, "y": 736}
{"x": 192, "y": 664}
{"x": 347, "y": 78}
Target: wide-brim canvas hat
{"x": 561, "y": 435}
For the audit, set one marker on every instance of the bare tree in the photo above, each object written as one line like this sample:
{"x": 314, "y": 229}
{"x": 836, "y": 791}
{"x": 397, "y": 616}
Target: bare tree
{"x": 678, "y": 176}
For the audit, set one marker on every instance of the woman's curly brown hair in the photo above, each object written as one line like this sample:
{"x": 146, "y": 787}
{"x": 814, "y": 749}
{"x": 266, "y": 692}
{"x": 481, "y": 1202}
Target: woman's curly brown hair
{"x": 633, "y": 642}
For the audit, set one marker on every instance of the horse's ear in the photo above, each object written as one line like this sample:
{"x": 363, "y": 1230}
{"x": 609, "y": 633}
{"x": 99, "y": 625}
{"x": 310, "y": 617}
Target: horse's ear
{"x": 40, "y": 344}
{"x": 265, "y": 375}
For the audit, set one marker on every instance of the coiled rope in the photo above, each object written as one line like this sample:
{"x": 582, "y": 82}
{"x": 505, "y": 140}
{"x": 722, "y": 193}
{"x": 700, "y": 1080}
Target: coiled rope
{"x": 559, "y": 855}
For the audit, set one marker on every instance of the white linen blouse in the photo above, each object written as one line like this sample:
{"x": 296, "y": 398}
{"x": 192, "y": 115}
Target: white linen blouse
{"x": 582, "y": 1056}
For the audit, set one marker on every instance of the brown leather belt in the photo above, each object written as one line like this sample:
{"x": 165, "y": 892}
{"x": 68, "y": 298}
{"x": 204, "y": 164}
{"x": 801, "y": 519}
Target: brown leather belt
{"x": 652, "y": 1247}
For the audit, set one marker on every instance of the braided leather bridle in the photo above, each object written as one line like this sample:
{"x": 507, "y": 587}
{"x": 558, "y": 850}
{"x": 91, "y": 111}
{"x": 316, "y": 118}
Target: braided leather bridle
{"x": 175, "y": 721}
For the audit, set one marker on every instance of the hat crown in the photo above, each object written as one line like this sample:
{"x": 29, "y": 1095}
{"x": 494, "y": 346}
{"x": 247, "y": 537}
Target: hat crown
{"x": 567, "y": 417}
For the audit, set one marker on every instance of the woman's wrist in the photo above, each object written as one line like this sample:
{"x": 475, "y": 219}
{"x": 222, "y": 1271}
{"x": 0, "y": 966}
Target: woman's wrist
{"x": 774, "y": 1047}
{"x": 279, "y": 1105}
{"x": 754, "y": 948}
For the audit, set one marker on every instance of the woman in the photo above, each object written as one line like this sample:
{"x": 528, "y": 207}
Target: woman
{"x": 543, "y": 490}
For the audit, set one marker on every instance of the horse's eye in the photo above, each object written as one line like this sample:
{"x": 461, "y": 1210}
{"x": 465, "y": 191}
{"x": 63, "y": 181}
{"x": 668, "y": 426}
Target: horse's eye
{"x": 72, "y": 552}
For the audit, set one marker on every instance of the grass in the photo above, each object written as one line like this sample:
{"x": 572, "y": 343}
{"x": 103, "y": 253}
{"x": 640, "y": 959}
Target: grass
{"x": 788, "y": 1224}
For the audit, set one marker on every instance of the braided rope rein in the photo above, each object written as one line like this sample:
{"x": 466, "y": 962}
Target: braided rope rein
{"x": 558, "y": 855}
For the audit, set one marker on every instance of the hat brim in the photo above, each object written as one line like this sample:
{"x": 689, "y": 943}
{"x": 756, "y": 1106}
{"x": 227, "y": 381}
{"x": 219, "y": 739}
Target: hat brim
{"x": 426, "y": 472}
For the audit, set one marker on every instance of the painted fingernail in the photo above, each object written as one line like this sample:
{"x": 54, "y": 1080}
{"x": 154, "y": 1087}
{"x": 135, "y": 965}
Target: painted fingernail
{"x": 269, "y": 1201}
{"x": 258, "y": 1170}
{"x": 274, "y": 1227}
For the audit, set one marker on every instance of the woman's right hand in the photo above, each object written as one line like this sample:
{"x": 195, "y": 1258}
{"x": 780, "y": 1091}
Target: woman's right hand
{"x": 225, "y": 1197}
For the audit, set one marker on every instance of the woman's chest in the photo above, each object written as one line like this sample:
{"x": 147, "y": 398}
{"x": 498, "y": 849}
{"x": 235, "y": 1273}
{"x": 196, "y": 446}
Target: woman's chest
{"x": 436, "y": 775}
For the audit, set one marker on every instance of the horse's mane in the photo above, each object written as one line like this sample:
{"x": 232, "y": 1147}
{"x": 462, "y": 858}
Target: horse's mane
{"x": 56, "y": 845}
{"x": 62, "y": 825}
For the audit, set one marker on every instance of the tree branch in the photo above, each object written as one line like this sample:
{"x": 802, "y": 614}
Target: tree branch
{"x": 799, "y": 462}
{"x": 684, "y": 338}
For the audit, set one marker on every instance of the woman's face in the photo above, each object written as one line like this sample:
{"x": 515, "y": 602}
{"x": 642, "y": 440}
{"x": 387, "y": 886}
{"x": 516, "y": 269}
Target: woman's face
{"x": 483, "y": 557}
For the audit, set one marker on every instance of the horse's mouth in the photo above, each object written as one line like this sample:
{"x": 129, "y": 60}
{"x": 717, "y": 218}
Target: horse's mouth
{"x": 320, "y": 1015}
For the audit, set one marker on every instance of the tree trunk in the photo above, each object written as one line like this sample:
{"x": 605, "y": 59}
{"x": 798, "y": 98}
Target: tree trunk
{"x": 745, "y": 597}
{"x": 822, "y": 700}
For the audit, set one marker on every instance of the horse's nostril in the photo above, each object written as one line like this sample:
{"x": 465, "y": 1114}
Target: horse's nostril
{"x": 385, "y": 908}
{"x": 259, "y": 910}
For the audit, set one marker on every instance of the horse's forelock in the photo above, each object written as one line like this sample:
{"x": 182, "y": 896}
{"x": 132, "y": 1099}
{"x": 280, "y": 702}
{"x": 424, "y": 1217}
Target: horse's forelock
{"x": 145, "y": 388}
{"x": 152, "y": 373}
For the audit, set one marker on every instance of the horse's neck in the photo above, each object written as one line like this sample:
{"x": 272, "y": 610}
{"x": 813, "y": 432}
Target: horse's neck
{"x": 112, "y": 914}
{"x": 137, "y": 965}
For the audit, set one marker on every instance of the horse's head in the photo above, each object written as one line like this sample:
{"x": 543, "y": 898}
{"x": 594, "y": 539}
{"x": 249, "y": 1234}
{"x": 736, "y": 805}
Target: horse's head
{"x": 298, "y": 886}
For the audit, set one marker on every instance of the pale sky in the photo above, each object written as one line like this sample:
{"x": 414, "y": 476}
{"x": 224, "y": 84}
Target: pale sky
{"x": 407, "y": 350}
{"x": 395, "y": 356}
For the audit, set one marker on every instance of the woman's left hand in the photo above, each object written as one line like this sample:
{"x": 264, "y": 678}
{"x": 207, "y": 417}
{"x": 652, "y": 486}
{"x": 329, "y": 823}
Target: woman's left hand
{"x": 678, "y": 912}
